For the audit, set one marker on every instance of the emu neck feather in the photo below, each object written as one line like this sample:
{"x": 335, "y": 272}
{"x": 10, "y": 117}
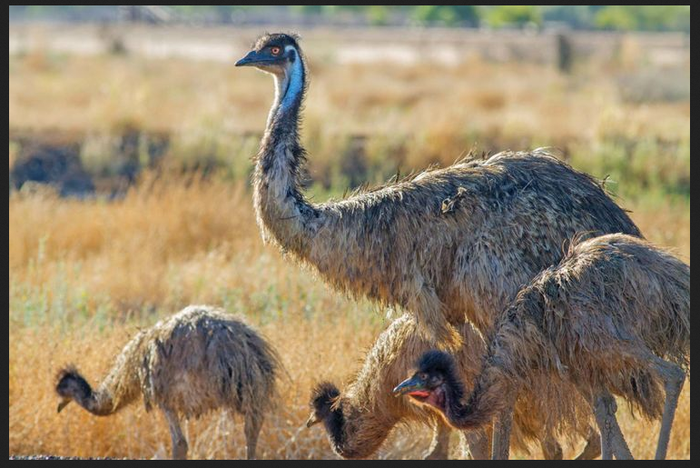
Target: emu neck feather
{"x": 100, "y": 403}
{"x": 355, "y": 431}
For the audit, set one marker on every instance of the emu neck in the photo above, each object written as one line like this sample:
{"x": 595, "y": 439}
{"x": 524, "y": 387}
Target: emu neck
{"x": 291, "y": 88}
{"x": 289, "y": 92}
{"x": 357, "y": 432}
{"x": 486, "y": 400}
{"x": 282, "y": 212}
{"x": 119, "y": 389}
{"x": 99, "y": 403}
{"x": 459, "y": 415}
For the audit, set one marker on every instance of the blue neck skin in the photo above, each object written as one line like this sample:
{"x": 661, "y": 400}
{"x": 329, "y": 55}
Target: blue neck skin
{"x": 295, "y": 84}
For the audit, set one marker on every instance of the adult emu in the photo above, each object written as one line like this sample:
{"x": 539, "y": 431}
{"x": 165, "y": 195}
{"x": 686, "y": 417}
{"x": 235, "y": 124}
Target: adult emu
{"x": 612, "y": 318}
{"x": 447, "y": 245}
{"x": 196, "y": 361}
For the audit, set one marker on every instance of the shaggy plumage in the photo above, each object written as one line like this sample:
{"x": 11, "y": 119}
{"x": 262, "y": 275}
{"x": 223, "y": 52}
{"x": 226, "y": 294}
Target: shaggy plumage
{"x": 612, "y": 317}
{"x": 359, "y": 419}
{"x": 446, "y": 245}
{"x": 197, "y": 360}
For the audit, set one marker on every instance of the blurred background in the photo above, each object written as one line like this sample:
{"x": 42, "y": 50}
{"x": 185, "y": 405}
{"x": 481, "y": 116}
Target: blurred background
{"x": 130, "y": 143}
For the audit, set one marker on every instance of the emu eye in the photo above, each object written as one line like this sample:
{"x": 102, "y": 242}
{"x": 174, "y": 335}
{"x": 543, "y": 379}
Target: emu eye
{"x": 275, "y": 50}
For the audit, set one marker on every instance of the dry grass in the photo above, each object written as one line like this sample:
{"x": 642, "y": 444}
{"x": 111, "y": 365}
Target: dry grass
{"x": 414, "y": 114}
{"x": 86, "y": 275}
{"x": 101, "y": 92}
{"x": 35, "y": 427}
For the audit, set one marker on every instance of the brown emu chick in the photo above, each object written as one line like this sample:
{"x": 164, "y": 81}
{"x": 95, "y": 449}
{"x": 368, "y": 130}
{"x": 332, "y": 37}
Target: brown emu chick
{"x": 198, "y": 360}
{"x": 360, "y": 419}
{"x": 612, "y": 318}
{"x": 448, "y": 245}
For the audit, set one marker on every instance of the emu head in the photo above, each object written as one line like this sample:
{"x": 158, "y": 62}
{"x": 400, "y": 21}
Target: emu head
{"x": 273, "y": 53}
{"x": 70, "y": 385}
{"x": 434, "y": 376}
{"x": 323, "y": 399}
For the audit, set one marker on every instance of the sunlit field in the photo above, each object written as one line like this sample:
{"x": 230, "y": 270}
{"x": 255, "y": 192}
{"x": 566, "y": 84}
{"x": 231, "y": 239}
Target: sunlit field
{"x": 87, "y": 273}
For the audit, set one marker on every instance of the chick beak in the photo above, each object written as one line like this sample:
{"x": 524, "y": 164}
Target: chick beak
{"x": 408, "y": 386}
{"x": 62, "y": 405}
{"x": 312, "y": 420}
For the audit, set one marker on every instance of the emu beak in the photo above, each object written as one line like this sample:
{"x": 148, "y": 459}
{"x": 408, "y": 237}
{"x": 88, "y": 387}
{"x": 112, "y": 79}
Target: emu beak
{"x": 408, "y": 386}
{"x": 312, "y": 420}
{"x": 62, "y": 405}
{"x": 251, "y": 59}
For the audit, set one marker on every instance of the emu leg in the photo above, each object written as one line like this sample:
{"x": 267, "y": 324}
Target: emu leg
{"x": 179, "y": 443}
{"x": 620, "y": 448}
{"x": 600, "y": 409}
{"x": 551, "y": 449}
{"x": 253, "y": 423}
{"x": 592, "y": 448}
{"x": 479, "y": 444}
{"x": 440, "y": 446}
{"x": 612, "y": 440}
{"x": 674, "y": 378}
{"x": 500, "y": 449}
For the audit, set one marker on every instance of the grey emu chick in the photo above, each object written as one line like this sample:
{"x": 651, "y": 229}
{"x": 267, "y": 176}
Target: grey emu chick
{"x": 198, "y": 360}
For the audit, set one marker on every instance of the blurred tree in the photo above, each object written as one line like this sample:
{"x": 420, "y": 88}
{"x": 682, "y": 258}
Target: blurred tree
{"x": 647, "y": 18}
{"x": 575, "y": 16}
{"x": 378, "y": 14}
{"x": 616, "y": 17}
{"x": 309, "y": 9}
{"x": 449, "y": 15}
{"x": 513, "y": 15}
